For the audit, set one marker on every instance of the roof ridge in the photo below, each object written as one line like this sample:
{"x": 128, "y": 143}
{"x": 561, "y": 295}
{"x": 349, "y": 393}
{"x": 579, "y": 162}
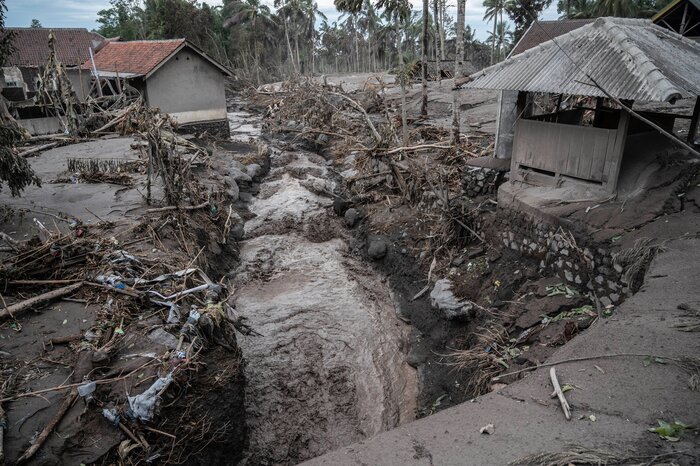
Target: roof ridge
{"x": 147, "y": 40}
{"x": 647, "y": 70}
{"x": 28, "y": 28}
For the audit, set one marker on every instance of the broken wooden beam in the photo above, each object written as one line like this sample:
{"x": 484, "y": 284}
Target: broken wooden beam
{"x": 14, "y": 309}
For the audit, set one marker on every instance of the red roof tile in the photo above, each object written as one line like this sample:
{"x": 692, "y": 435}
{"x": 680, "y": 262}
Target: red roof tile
{"x": 32, "y": 46}
{"x": 135, "y": 57}
{"x": 542, "y": 31}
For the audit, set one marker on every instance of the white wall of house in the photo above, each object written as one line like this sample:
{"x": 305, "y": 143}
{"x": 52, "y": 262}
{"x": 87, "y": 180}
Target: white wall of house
{"x": 189, "y": 88}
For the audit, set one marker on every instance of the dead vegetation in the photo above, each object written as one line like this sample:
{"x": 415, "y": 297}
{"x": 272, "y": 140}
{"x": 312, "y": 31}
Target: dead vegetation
{"x": 590, "y": 456}
{"x": 169, "y": 299}
{"x": 146, "y": 282}
{"x": 425, "y": 174}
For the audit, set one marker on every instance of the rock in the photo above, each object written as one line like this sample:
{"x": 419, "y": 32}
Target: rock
{"x": 340, "y": 206}
{"x": 322, "y": 139}
{"x": 349, "y": 173}
{"x": 238, "y": 231}
{"x": 245, "y": 197}
{"x": 377, "y": 249}
{"x": 164, "y": 338}
{"x": 232, "y": 190}
{"x": 352, "y": 216}
{"x": 239, "y": 176}
{"x": 237, "y": 165}
{"x": 254, "y": 170}
{"x": 457, "y": 261}
{"x": 442, "y": 298}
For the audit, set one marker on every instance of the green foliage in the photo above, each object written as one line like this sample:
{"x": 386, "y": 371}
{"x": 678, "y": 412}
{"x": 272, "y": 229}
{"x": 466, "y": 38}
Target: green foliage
{"x": 6, "y": 47}
{"x": 14, "y": 169}
{"x": 581, "y": 9}
{"x": 523, "y": 13}
{"x": 35, "y": 24}
{"x": 561, "y": 289}
{"x": 670, "y": 432}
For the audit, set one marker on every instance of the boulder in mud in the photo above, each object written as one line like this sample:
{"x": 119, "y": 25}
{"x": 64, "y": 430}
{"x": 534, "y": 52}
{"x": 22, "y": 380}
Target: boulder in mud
{"x": 254, "y": 170}
{"x": 232, "y": 190}
{"x": 377, "y": 248}
{"x": 340, "y": 206}
{"x": 444, "y": 299}
{"x": 239, "y": 176}
{"x": 352, "y": 216}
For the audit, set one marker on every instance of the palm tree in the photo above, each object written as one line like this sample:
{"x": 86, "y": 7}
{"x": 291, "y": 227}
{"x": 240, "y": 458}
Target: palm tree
{"x": 248, "y": 12}
{"x": 459, "y": 59}
{"x": 579, "y": 9}
{"x": 620, "y": 8}
{"x": 494, "y": 11}
{"x": 424, "y": 71}
{"x": 504, "y": 38}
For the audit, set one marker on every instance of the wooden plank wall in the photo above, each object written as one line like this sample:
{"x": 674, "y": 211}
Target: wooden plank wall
{"x": 578, "y": 151}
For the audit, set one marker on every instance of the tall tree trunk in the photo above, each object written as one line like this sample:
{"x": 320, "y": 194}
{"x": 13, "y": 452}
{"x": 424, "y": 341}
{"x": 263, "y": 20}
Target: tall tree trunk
{"x": 459, "y": 58}
{"x": 404, "y": 119}
{"x": 442, "y": 30}
{"x": 493, "y": 44}
{"x": 257, "y": 53}
{"x": 424, "y": 73}
{"x": 289, "y": 47}
{"x": 436, "y": 22}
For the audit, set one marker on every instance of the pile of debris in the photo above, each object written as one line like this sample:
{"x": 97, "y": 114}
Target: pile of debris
{"x": 146, "y": 325}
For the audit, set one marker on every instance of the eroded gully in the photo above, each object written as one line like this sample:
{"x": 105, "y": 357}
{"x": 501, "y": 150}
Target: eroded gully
{"x": 329, "y": 368}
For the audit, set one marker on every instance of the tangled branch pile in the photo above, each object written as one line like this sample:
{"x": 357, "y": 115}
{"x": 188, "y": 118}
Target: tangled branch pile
{"x": 361, "y": 128}
{"x": 159, "y": 321}
{"x": 14, "y": 169}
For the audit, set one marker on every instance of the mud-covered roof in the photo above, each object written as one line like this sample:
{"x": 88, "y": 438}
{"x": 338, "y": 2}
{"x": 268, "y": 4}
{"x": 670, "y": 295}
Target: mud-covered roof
{"x": 629, "y": 58}
{"x": 32, "y": 46}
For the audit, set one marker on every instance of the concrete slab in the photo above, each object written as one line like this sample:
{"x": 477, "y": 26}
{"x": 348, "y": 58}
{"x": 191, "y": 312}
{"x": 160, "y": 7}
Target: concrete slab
{"x": 626, "y": 397}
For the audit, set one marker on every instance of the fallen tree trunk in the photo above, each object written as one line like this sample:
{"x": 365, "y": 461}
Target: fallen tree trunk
{"x": 11, "y": 311}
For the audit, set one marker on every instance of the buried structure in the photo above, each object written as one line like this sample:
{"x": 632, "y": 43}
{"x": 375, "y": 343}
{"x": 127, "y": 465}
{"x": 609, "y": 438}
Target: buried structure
{"x": 576, "y": 140}
{"x": 172, "y": 75}
{"x": 599, "y": 68}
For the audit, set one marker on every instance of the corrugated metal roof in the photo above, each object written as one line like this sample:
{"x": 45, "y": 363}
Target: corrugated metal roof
{"x": 629, "y": 58}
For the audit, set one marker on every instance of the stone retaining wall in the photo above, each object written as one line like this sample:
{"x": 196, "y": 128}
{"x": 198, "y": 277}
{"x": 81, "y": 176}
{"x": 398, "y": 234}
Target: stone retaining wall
{"x": 576, "y": 260}
{"x": 478, "y": 181}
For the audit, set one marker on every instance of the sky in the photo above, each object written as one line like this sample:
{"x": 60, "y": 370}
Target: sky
{"x": 83, "y": 13}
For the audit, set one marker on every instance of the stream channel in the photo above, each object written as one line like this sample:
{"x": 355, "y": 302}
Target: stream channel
{"x": 330, "y": 367}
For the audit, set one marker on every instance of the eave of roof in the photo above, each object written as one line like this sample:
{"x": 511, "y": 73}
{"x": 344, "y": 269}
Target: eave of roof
{"x": 671, "y": 6}
{"x": 151, "y": 68}
{"x": 630, "y": 58}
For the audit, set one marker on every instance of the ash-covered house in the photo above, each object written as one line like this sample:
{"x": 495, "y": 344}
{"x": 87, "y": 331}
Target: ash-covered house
{"x": 22, "y": 72}
{"x": 172, "y": 75}
{"x": 566, "y": 125}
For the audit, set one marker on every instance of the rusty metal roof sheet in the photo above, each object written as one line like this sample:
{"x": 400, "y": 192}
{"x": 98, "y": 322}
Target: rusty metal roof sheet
{"x": 629, "y": 58}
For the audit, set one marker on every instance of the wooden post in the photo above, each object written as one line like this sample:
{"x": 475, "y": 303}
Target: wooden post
{"x": 94, "y": 71}
{"x": 693, "y": 129}
{"x": 617, "y": 154}
{"x": 598, "y": 111}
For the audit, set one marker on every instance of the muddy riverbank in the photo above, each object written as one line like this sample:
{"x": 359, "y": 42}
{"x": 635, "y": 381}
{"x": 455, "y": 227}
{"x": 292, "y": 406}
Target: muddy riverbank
{"x": 329, "y": 367}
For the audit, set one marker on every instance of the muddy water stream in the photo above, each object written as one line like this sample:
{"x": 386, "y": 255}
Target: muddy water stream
{"x": 330, "y": 367}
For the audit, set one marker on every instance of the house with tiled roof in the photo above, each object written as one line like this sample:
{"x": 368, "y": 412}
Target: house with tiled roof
{"x": 23, "y": 67}
{"x": 542, "y": 31}
{"x": 172, "y": 75}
